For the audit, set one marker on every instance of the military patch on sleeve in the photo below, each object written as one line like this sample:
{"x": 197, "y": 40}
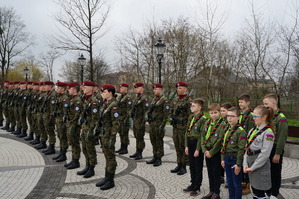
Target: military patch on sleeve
{"x": 95, "y": 110}
{"x": 78, "y": 102}
{"x": 24, "y": 97}
{"x": 52, "y": 102}
{"x": 146, "y": 104}
{"x": 116, "y": 115}
{"x": 114, "y": 108}
{"x": 283, "y": 120}
{"x": 167, "y": 107}
{"x": 94, "y": 104}
{"x": 129, "y": 102}
{"x": 65, "y": 105}
{"x": 77, "y": 108}
{"x": 270, "y": 137}
{"x": 243, "y": 138}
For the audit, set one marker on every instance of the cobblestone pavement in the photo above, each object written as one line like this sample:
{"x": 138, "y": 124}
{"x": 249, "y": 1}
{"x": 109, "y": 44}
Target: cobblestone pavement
{"x": 26, "y": 173}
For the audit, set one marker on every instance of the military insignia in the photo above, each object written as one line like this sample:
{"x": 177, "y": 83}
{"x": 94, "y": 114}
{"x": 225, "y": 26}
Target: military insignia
{"x": 216, "y": 135}
{"x": 232, "y": 142}
{"x": 195, "y": 127}
{"x": 95, "y": 110}
{"x": 52, "y": 102}
{"x": 270, "y": 137}
{"x": 129, "y": 102}
{"x": 65, "y": 105}
{"x": 77, "y": 108}
{"x": 116, "y": 115}
{"x": 114, "y": 108}
{"x": 283, "y": 120}
{"x": 25, "y": 97}
{"x": 146, "y": 104}
{"x": 167, "y": 107}
{"x": 78, "y": 103}
{"x": 99, "y": 101}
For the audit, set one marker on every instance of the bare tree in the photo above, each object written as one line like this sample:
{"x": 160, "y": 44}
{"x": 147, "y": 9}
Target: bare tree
{"x": 14, "y": 40}
{"x": 47, "y": 62}
{"x": 81, "y": 26}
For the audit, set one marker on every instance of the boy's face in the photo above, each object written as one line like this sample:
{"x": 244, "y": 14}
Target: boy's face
{"x": 269, "y": 103}
{"x": 106, "y": 94}
{"x": 232, "y": 118}
{"x": 244, "y": 104}
{"x": 223, "y": 112}
{"x": 214, "y": 114}
{"x": 195, "y": 108}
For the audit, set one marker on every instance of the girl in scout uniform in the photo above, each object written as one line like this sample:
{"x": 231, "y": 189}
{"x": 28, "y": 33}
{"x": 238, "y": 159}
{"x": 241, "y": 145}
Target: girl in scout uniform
{"x": 260, "y": 141}
{"x": 232, "y": 153}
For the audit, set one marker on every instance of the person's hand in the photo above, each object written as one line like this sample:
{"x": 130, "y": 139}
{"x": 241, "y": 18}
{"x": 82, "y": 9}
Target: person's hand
{"x": 223, "y": 164}
{"x": 207, "y": 154}
{"x": 245, "y": 168}
{"x": 186, "y": 151}
{"x": 196, "y": 153}
{"x": 276, "y": 158}
{"x": 237, "y": 169}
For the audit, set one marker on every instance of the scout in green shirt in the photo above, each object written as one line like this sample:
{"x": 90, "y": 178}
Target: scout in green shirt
{"x": 195, "y": 128}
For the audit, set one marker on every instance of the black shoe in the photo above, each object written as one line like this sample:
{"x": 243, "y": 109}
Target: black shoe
{"x": 57, "y": 156}
{"x": 74, "y": 165}
{"x": 102, "y": 182}
{"x": 121, "y": 148}
{"x": 134, "y": 155}
{"x": 208, "y": 196}
{"x": 90, "y": 172}
{"x": 152, "y": 161}
{"x": 17, "y": 131}
{"x": 139, "y": 154}
{"x": 182, "y": 170}
{"x": 84, "y": 171}
{"x": 188, "y": 189}
{"x": 51, "y": 150}
{"x": 124, "y": 149}
{"x": 176, "y": 169}
{"x": 36, "y": 141}
{"x": 1, "y": 122}
{"x": 194, "y": 193}
{"x": 62, "y": 157}
{"x": 30, "y": 137}
{"x": 5, "y": 127}
{"x": 68, "y": 164}
{"x": 23, "y": 134}
{"x": 108, "y": 185}
{"x": 158, "y": 162}
{"x": 42, "y": 145}
{"x": 11, "y": 129}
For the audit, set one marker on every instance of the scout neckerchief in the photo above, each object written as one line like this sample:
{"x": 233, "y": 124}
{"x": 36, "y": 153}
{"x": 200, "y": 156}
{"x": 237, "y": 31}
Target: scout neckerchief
{"x": 254, "y": 133}
{"x": 209, "y": 127}
{"x": 228, "y": 137}
{"x": 276, "y": 114}
{"x": 242, "y": 120}
{"x": 193, "y": 120}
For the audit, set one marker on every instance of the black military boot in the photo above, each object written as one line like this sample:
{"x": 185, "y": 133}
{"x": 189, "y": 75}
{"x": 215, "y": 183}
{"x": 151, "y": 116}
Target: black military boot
{"x": 121, "y": 148}
{"x": 30, "y": 137}
{"x": 103, "y": 181}
{"x": 152, "y": 161}
{"x": 139, "y": 154}
{"x": 176, "y": 169}
{"x": 109, "y": 183}
{"x": 158, "y": 162}
{"x": 134, "y": 155}
{"x": 51, "y": 150}
{"x": 11, "y": 129}
{"x": 5, "y": 127}
{"x": 17, "y": 132}
{"x": 124, "y": 150}
{"x": 84, "y": 171}
{"x": 57, "y": 156}
{"x": 90, "y": 172}
{"x": 44, "y": 151}
{"x": 74, "y": 165}
{"x": 36, "y": 140}
{"x": 42, "y": 145}
{"x": 1, "y": 122}
{"x": 62, "y": 157}
{"x": 68, "y": 164}
{"x": 182, "y": 170}
{"x": 23, "y": 134}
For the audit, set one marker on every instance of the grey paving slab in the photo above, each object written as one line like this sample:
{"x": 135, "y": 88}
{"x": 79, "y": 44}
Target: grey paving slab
{"x": 26, "y": 173}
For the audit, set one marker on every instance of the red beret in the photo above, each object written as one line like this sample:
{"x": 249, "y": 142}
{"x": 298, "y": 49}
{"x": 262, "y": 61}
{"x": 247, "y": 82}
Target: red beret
{"x": 23, "y": 82}
{"x": 88, "y": 83}
{"x": 29, "y": 82}
{"x": 181, "y": 84}
{"x": 138, "y": 85}
{"x": 48, "y": 83}
{"x": 124, "y": 85}
{"x": 61, "y": 84}
{"x": 6, "y": 81}
{"x": 73, "y": 84}
{"x": 157, "y": 86}
{"x": 107, "y": 86}
{"x": 36, "y": 83}
{"x": 96, "y": 85}
{"x": 16, "y": 82}
{"x": 11, "y": 83}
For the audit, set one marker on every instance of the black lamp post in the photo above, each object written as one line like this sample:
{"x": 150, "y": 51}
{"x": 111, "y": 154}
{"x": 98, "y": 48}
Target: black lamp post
{"x": 26, "y": 71}
{"x": 160, "y": 46}
{"x": 82, "y": 62}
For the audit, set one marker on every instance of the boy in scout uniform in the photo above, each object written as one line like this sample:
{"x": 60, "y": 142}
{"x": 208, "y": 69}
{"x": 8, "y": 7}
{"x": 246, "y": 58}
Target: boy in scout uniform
{"x": 72, "y": 113}
{"x": 281, "y": 134}
{"x": 232, "y": 153}
{"x": 125, "y": 106}
{"x": 180, "y": 111}
{"x": 193, "y": 135}
{"x": 140, "y": 107}
{"x": 107, "y": 127}
{"x": 157, "y": 117}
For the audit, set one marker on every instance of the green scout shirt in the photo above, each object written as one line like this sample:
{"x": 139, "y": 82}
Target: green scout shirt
{"x": 236, "y": 143}
{"x": 110, "y": 117}
{"x": 246, "y": 120}
{"x": 281, "y": 131}
{"x": 180, "y": 108}
{"x": 195, "y": 129}
{"x": 158, "y": 111}
{"x": 212, "y": 136}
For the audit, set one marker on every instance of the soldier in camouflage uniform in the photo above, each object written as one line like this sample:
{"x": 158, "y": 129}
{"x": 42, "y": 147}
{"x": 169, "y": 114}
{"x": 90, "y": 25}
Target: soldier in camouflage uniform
{"x": 4, "y": 96}
{"x": 107, "y": 128}
{"x": 140, "y": 107}
{"x": 16, "y": 104}
{"x": 13, "y": 108}
{"x": 61, "y": 130}
{"x": 72, "y": 113}
{"x": 33, "y": 109}
{"x": 125, "y": 105}
{"x": 9, "y": 106}
{"x": 88, "y": 121}
{"x": 157, "y": 118}
{"x": 180, "y": 110}
{"x": 22, "y": 109}
{"x": 29, "y": 115}
{"x": 2, "y": 91}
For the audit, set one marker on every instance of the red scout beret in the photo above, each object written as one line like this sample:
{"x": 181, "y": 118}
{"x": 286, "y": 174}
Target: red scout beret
{"x": 181, "y": 84}
{"x": 41, "y": 83}
{"x": 61, "y": 84}
{"x": 107, "y": 86}
{"x": 6, "y": 81}
{"x": 88, "y": 83}
{"x": 29, "y": 82}
{"x": 157, "y": 86}
{"x": 138, "y": 85}
{"x": 124, "y": 85}
{"x": 23, "y": 82}
{"x": 96, "y": 85}
{"x": 11, "y": 83}
{"x": 17, "y": 82}
{"x": 35, "y": 83}
{"x": 48, "y": 83}
{"x": 73, "y": 84}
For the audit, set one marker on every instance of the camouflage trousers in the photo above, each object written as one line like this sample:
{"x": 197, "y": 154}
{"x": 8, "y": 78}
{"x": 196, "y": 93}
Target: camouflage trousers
{"x": 179, "y": 144}
{"x": 41, "y": 128}
{"x": 11, "y": 114}
{"x": 73, "y": 137}
{"x": 139, "y": 132}
{"x": 88, "y": 145}
{"x": 1, "y": 112}
{"x": 34, "y": 127}
{"x": 6, "y": 114}
{"x": 23, "y": 118}
{"x": 156, "y": 137}
{"x": 124, "y": 131}
{"x": 49, "y": 123}
{"x": 17, "y": 116}
{"x": 61, "y": 134}
{"x": 108, "y": 147}
{"x": 30, "y": 119}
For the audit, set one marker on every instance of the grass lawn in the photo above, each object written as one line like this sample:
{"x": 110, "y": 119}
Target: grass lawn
{"x": 293, "y": 122}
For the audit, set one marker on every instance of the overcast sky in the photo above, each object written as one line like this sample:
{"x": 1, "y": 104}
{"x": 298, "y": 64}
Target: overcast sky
{"x": 37, "y": 15}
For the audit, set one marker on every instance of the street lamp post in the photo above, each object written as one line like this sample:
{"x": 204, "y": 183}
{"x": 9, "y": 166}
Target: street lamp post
{"x": 82, "y": 62}
{"x": 160, "y": 46}
{"x": 26, "y": 71}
